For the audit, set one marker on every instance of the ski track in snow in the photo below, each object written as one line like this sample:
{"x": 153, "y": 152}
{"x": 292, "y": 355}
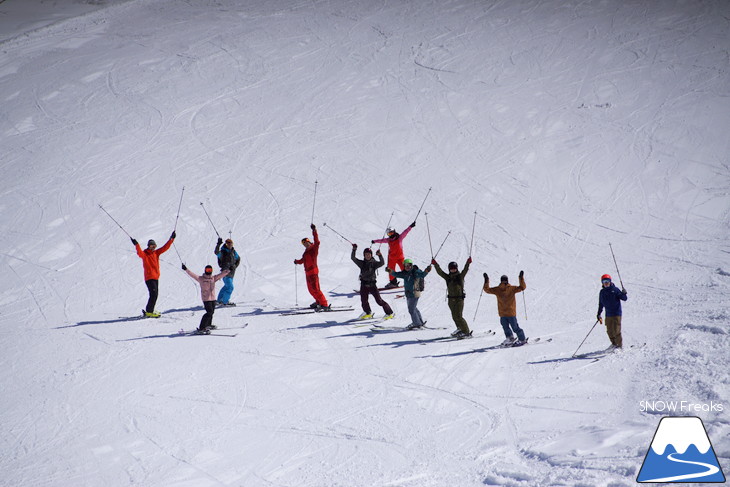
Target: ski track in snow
{"x": 564, "y": 127}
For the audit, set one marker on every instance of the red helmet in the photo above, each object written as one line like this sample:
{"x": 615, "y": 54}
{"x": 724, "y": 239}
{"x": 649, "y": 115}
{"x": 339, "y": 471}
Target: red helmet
{"x": 605, "y": 276}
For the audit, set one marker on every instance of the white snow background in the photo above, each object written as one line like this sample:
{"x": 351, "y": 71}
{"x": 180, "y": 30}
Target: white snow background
{"x": 565, "y": 125}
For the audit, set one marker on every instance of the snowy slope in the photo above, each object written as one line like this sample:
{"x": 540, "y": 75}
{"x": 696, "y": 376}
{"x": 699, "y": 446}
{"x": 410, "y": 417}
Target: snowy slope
{"x": 563, "y": 125}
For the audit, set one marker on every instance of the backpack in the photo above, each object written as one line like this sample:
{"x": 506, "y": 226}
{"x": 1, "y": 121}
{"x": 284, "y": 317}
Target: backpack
{"x": 419, "y": 284}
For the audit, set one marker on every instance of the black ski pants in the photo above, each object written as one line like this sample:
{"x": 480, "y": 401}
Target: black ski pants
{"x": 207, "y": 318}
{"x": 153, "y": 288}
{"x": 365, "y": 291}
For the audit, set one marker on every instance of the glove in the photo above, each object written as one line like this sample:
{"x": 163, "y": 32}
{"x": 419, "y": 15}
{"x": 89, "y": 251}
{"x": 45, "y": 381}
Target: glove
{"x": 372, "y": 242}
{"x": 388, "y": 270}
{"x": 427, "y": 269}
{"x": 134, "y": 242}
{"x": 184, "y": 268}
{"x": 220, "y": 241}
{"x": 469, "y": 261}
{"x": 354, "y": 246}
{"x": 173, "y": 235}
{"x": 313, "y": 226}
{"x": 486, "y": 277}
{"x": 295, "y": 262}
{"x": 522, "y": 274}
{"x": 413, "y": 224}
{"x": 623, "y": 291}
{"x": 600, "y": 320}
{"x": 433, "y": 261}
{"x": 378, "y": 252}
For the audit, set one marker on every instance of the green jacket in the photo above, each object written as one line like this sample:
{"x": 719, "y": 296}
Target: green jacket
{"x": 454, "y": 282}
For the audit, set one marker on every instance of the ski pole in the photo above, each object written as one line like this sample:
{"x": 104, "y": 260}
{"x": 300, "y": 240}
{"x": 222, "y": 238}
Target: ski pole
{"x": 211, "y": 221}
{"x": 424, "y": 202}
{"x": 614, "y": 263}
{"x": 524, "y": 302}
{"x": 178, "y": 253}
{"x": 386, "y": 229}
{"x": 314, "y": 201}
{"x": 102, "y": 209}
{"x": 178, "y": 208}
{"x": 581, "y": 343}
{"x": 442, "y": 244}
{"x": 296, "y": 287}
{"x": 338, "y": 233}
{"x": 429, "y": 235}
{"x": 473, "y": 226}
{"x": 478, "y": 303}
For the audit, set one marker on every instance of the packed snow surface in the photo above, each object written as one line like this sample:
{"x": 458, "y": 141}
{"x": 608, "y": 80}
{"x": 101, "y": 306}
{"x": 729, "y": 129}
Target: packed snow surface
{"x": 545, "y": 130}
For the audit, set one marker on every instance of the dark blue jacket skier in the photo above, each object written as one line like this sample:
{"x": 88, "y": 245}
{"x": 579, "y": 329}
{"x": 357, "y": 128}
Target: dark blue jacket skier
{"x": 610, "y": 298}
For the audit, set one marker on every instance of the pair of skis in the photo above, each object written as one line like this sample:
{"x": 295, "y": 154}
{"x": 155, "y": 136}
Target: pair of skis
{"x": 214, "y": 332}
{"x": 309, "y": 311}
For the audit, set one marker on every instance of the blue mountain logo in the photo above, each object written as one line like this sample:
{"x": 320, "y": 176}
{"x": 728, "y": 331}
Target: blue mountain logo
{"x": 681, "y": 452}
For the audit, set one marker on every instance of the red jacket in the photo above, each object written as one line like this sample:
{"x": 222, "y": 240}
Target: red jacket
{"x": 151, "y": 260}
{"x": 309, "y": 257}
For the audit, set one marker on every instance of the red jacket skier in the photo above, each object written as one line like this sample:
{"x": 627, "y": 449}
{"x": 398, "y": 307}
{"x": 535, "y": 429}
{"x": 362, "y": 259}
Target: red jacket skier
{"x": 395, "y": 251}
{"x": 311, "y": 271}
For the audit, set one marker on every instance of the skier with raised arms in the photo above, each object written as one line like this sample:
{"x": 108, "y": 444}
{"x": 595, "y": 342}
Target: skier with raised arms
{"x": 311, "y": 271}
{"x": 395, "y": 251}
{"x": 151, "y": 265}
{"x": 455, "y": 294}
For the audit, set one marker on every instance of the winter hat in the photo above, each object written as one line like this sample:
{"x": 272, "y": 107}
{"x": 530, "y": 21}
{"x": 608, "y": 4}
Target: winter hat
{"x": 151, "y": 242}
{"x": 504, "y": 279}
{"x": 453, "y": 265}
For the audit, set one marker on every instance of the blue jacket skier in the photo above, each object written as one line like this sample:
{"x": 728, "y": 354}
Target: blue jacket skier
{"x": 410, "y": 275}
{"x": 610, "y": 298}
{"x": 228, "y": 260}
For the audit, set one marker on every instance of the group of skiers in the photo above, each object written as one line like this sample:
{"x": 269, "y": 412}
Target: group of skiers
{"x": 610, "y": 296}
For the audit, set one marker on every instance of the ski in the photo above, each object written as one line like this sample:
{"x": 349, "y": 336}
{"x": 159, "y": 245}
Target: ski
{"x": 225, "y": 305}
{"x": 233, "y": 327}
{"x": 452, "y": 338}
{"x": 404, "y": 328}
{"x": 383, "y": 289}
{"x": 312, "y": 311}
{"x": 212, "y": 334}
{"x": 150, "y": 315}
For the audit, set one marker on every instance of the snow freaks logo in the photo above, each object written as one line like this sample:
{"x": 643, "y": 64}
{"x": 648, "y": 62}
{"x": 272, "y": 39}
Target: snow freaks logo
{"x": 680, "y": 452}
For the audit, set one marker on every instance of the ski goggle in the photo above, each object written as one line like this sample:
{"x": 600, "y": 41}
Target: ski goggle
{"x": 606, "y": 281}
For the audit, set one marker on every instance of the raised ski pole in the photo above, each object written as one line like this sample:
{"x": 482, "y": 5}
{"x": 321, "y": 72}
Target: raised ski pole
{"x": 314, "y": 201}
{"x": 586, "y": 338}
{"x": 386, "y": 229}
{"x": 102, "y": 209}
{"x": 524, "y": 303}
{"x": 211, "y": 221}
{"x": 442, "y": 244}
{"x": 428, "y": 230}
{"x": 338, "y": 233}
{"x": 424, "y": 202}
{"x": 473, "y": 226}
{"x": 614, "y": 263}
{"x": 178, "y": 209}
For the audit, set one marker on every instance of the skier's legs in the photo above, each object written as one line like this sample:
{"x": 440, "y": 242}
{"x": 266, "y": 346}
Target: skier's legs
{"x": 504, "y": 321}
{"x": 153, "y": 288}
{"x": 386, "y": 307}
{"x": 364, "y": 302}
{"x": 313, "y": 287}
{"x": 512, "y": 320}
{"x": 416, "y": 318}
{"x": 613, "y": 328}
{"x": 207, "y": 318}
{"x": 224, "y": 295}
{"x": 456, "y": 305}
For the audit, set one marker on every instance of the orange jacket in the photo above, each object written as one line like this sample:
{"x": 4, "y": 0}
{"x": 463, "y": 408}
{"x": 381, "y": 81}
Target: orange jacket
{"x": 506, "y": 302}
{"x": 151, "y": 260}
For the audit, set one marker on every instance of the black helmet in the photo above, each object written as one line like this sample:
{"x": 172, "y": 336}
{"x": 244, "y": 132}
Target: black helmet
{"x": 453, "y": 265}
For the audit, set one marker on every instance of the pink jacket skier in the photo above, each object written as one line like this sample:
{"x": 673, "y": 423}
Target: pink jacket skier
{"x": 207, "y": 293}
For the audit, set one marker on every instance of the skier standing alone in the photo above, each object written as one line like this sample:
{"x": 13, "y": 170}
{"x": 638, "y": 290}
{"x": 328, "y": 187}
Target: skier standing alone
{"x": 610, "y": 298}
{"x": 410, "y": 275}
{"x": 207, "y": 293}
{"x": 395, "y": 251}
{"x": 368, "y": 284}
{"x": 311, "y": 271}
{"x": 507, "y": 307}
{"x": 228, "y": 259}
{"x": 455, "y": 294}
{"x": 151, "y": 264}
